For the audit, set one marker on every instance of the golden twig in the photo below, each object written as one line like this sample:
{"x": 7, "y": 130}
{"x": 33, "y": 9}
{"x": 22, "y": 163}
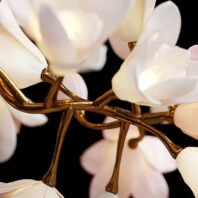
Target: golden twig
{"x": 50, "y": 177}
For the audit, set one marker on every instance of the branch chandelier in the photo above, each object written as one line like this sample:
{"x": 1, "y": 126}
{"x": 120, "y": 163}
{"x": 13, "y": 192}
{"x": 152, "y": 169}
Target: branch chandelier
{"x": 155, "y": 72}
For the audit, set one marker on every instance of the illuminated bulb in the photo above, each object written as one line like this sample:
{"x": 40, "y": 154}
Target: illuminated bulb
{"x": 148, "y": 78}
{"x": 187, "y": 163}
{"x": 79, "y": 27}
{"x": 106, "y": 195}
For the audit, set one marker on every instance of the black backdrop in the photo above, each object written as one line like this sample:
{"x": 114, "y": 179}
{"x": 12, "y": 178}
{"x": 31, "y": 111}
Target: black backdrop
{"x": 35, "y": 145}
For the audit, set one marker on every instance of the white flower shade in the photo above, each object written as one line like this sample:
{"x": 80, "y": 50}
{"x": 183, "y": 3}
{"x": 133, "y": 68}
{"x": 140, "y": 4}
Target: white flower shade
{"x": 120, "y": 47}
{"x": 141, "y": 168}
{"x": 187, "y": 163}
{"x": 75, "y": 83}
{"x": 7, "y": 133}
{"x": 28, "y": 188}
{"x": 70, "y": 42}
{"x": 106, "y": 195}
{"x": 19, "y": 57}
{"x": 185, "y": 118}
{"x": 132, "y": 26}
{"x": 11, "y": 120}
{"x": 155, "y": 73}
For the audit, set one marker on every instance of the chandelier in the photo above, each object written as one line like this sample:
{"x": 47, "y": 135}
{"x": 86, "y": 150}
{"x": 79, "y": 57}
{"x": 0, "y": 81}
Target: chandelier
{"x": 52, "y": 42}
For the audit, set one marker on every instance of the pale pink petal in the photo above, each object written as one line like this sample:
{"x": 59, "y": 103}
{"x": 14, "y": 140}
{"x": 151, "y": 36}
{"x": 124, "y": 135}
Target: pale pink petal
{"x": 113, "y": 134}
{"x": 19, "y": 57}
{"x": 98, "y": 156}
{"x": 185, "y": 118}
{"x": 28, "y": 119}
{"x": 76, "y": 84}
{"x": 8, "y": 133}
{"x": 100, "y": 181}
{"x": 157, "y": 154}
{"x": 194, "y": 52}
{"x": 150, "y": 184}
{"x": 120, "y": 47}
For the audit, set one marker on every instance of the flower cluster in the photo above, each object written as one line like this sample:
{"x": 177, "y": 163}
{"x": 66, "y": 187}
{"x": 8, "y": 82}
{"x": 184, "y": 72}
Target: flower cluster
{"x": 68, "y": 37}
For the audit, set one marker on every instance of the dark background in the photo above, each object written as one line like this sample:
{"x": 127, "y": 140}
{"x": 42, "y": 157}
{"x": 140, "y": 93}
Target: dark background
{"x": 35, "y": 145}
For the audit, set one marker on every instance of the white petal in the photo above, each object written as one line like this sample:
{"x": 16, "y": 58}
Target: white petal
{"x": 8, "y": 133}
{"x": 124, "y": 82}
{"x": 167, "y": 92}
{"x": 98, "y": 156}
{"x": 170, "y": 28}
{"x": 17, "y": 7}
{"x": 169, "y": 63}
{"x": 28, "y": 188}
{"x": 54, "y": 42}
{"x": 110, "y": 15}
{"x": 132, "y": 25}
{"x": 96, "y": 61}
{"x": 120, "y": 47}
{"x": 28, "y": 119}
{"x": 106, "y": 195}
{"x": 157, "y": 154}
{"x": 185, "y": 118}
{"x": 6, "y": 187}
{"x": 76, "y": 84}
{"x": 187, "y": 163}
{"x": 19, "y": 58}
{"x": 113, "y": 134}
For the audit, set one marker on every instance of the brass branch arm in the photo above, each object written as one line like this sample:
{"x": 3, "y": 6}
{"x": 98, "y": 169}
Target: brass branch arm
{"x": 18, "y": 100}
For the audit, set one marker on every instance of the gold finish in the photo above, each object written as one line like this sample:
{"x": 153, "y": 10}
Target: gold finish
{"x": 50, "y": 176}
{"x": 112, "y": 186}
{"x": 77, "y": 107}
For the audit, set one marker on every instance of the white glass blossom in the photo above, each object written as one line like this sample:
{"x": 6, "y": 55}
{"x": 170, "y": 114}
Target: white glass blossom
{"x": 132, "y": 26}
{"x": 187, "y": 163}
{"x": 76, "y": 84}
{"x": 11, "y": 120}
{"x": 185, "y": 117}
{"x": 28, "y": 189}
{"x": 157, "y": 72}
{"x": 141, "y": 168}
{"x": 19, "y": 57}
{"x": 74, "y": 39}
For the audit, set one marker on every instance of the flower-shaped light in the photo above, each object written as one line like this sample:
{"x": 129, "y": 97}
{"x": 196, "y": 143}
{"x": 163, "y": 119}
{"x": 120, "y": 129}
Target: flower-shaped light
{"x": 141, "y": 168}
{"x": 157, "y": 72}
{"x": 132, "y": 26}
{"x": 74, "y": 39}
{"x": 28, "y": 189}
{"x": 23, "y": 62}
{"x": 185, "y": 114}
{"x": 11, "y": 120}
{"x": 187, "y": 163}
{"x": 19, "y": 57}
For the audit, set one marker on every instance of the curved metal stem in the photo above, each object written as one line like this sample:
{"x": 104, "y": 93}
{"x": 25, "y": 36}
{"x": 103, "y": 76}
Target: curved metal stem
{"x": 51, "y": 175}
{"x": 112, "y": 186}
